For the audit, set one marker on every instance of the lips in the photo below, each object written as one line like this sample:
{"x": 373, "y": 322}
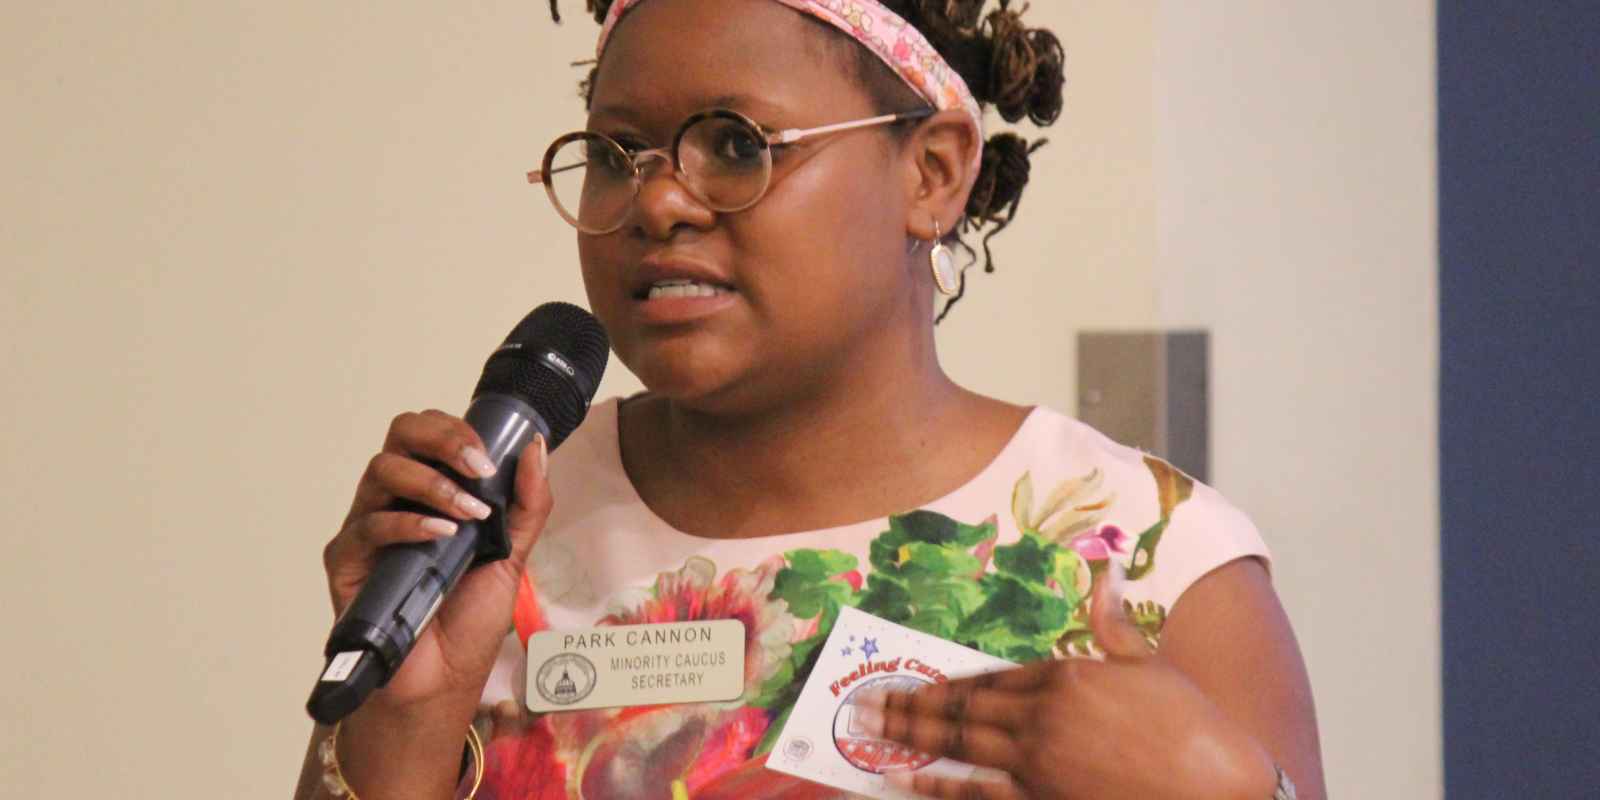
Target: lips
{"x": 677, "y": 291}
{"x": 676, "y": 288}
{"x": 675, "y": 278}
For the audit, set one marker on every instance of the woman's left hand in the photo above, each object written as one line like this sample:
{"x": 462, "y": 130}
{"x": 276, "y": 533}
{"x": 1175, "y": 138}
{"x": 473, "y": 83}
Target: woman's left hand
{"x": 1131, "y": 726}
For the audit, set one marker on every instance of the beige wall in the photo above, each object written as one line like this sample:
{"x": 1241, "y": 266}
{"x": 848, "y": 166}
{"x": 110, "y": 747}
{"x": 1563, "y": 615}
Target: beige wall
{"x": 235, "y": 239}
{"x": 1295, "y": 161}
{"x": 1083, "y": 252}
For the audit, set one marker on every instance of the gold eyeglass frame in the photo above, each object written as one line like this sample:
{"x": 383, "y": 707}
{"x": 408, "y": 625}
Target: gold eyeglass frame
{"x": 768, "y": 139}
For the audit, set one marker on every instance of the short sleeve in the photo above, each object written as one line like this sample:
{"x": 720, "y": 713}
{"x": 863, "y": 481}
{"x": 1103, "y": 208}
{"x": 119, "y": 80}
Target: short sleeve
{"x": 1204, "y": 533}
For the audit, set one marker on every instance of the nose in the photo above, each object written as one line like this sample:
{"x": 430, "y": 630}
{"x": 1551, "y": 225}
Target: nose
{"x": 664, "y": 203}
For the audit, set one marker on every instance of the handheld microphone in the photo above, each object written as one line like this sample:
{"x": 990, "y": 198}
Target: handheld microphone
{"x": 541, "y": 380}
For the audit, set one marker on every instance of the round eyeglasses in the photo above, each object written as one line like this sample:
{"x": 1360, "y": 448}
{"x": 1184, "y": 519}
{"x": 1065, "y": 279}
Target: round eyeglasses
{"x": 721, "y": 157}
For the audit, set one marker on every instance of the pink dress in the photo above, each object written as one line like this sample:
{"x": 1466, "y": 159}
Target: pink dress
{"x": 1003, "y": 564}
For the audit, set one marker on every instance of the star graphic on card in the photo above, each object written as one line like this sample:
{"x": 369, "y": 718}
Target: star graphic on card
{"x": 844, "y": 652}
{"x": 869, "y": 647}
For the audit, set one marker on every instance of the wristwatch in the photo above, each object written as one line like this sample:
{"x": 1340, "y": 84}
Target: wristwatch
{"x": 1285, "y": 790}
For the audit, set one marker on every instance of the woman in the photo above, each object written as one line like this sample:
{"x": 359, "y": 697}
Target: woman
{"x": 799, "y": 450}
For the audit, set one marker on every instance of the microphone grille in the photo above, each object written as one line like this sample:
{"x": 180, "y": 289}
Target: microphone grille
{"x": 552, "y": 360}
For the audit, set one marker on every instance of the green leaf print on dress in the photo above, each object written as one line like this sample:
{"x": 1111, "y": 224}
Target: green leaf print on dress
{"x": 925, "y": 572}
{"x": 1172, "y": 488}
{"x": 1022, "y": 601}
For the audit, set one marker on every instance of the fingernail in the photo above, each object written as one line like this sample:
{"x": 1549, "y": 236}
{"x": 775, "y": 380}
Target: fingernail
{"x": 472, "y": 506}
{"x": 544, "y": 456}
{"x": 870, "y": 720}
{"x": 478, "y": 461}
{"x": 439, "y": 527}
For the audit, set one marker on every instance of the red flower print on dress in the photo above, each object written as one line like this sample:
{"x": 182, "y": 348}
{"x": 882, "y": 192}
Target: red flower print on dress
{"x": 695, "y": 593}
{"x": 647, "y": 751}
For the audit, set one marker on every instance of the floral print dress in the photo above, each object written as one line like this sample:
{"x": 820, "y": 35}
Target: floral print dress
{"x": 1004, "y": 564}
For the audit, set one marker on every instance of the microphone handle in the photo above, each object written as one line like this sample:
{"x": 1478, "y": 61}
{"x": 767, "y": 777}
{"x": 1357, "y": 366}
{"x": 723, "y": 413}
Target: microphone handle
{"x": 377, "y": 631}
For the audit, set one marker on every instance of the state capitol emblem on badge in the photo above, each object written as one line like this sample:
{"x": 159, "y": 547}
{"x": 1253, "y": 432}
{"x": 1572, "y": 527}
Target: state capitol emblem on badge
{"x": 824, "y": 741}
{"x": 636, "y": 665}
{"x": 565, "y": 678}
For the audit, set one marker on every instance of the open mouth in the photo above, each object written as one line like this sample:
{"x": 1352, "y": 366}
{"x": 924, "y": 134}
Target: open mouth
{"x": 681, "y": 288}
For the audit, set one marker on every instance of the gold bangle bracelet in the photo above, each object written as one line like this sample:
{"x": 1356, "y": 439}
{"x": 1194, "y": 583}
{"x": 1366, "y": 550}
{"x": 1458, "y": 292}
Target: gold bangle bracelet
{"x": 333, "y": 777}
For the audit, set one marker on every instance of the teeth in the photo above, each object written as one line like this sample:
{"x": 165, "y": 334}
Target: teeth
{"x": 684, "y": 288}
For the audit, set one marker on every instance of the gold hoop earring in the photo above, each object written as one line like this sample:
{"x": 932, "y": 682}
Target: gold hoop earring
{"x": 943, "y": 263}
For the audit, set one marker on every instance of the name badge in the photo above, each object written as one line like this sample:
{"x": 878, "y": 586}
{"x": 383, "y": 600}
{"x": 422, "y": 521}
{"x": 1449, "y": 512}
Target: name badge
{"x": 636, "y": 665}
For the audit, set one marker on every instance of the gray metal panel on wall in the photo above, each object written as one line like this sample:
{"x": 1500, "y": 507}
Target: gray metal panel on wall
{"x": 1150, "y": 390}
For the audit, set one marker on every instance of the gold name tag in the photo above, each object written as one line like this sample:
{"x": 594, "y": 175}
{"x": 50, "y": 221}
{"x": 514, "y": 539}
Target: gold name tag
{"x": 636, "y": 665}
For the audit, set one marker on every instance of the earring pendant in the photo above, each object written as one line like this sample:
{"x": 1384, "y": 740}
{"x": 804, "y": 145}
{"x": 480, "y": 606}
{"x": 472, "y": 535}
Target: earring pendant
{"x": 943, "y": 263}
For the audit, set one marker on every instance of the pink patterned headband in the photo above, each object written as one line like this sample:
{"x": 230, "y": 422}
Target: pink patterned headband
{"x": 886, "y": 34}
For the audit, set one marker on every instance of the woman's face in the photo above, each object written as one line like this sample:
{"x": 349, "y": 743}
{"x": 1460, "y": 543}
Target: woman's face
{"x": 808, "y": 277}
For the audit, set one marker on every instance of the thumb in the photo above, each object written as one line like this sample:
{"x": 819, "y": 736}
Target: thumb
{"x": 531, "y": 501}
{"x": 1107, "y": 620}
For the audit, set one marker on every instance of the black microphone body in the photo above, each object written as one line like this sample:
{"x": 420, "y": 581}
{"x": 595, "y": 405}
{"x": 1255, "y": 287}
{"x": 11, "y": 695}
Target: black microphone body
{"x": 376, "y": 632}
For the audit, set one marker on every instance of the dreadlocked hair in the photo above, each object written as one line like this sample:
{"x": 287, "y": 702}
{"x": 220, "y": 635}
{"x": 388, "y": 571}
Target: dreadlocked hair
{"x": 1019, "y": 71}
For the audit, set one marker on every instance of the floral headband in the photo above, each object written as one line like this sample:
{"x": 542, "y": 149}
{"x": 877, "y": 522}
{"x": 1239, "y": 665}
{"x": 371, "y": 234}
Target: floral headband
{"x": 898, "y": 43}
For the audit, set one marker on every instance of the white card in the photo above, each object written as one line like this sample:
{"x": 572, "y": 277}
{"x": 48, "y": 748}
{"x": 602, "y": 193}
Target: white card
{"x": 821, "y": 741}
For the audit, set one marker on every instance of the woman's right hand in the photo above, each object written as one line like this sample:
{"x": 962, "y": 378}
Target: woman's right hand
{"x": 455, "y": 652}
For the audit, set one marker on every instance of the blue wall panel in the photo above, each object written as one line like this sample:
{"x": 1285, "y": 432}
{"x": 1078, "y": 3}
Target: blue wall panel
{"x": 1519, "y": 140}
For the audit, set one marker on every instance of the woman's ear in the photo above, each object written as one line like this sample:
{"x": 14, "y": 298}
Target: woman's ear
{"x": 940, "y": 171}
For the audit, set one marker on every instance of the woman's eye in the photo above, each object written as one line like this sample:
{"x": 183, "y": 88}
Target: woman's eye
{"x": 738, "y": 145}
{"x": 616, "y": 164}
